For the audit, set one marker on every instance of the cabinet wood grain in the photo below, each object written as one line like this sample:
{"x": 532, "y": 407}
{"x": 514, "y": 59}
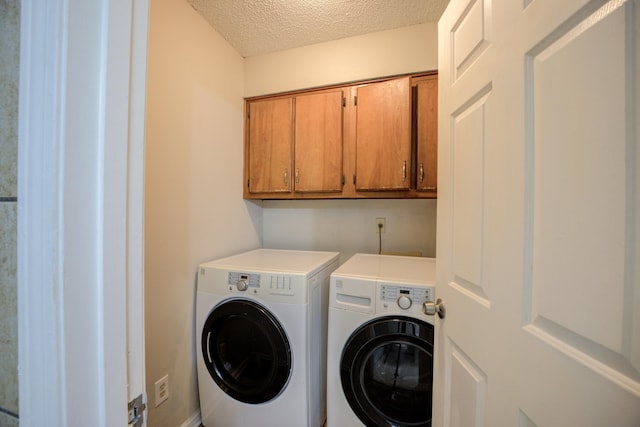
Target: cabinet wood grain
{"x": 427, "y": 135}
{"x": 318, "y": 142}
{"x": 269, "y": 157}
{"x": 367, "y": 139}
{"x": 383, "y": 136}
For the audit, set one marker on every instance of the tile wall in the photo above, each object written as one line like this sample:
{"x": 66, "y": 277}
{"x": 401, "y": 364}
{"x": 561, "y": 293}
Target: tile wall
{"x": 9, "y": 65}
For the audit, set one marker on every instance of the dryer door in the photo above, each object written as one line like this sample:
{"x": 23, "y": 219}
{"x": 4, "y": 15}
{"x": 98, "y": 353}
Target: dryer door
{"x": 246, "y": 351}
{"x": 386, "y": 371}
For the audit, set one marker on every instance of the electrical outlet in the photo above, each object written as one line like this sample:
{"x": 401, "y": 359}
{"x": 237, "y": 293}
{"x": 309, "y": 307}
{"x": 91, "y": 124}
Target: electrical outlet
{"x": 162, "y": 390}
{"x": 381, "y": 225}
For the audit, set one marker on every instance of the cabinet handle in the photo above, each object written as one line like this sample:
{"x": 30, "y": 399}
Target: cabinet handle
{"x": 404, "y": 171}
{"x": 421, "y": 172}
{"x": 297, "y": 175}
{"x": 285, "y": 178}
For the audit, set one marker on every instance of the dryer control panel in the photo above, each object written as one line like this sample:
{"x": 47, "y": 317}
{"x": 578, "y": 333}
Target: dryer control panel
{"x": 398, "y": 297}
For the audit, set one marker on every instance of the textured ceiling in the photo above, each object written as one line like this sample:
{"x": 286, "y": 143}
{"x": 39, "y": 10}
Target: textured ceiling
{"x": 255, "y": 27}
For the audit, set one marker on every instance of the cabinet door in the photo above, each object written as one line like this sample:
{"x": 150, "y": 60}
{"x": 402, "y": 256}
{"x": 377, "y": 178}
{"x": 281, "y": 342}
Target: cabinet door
{"x": 383, "y": 135}
{"x": 318, "y": 142}
{"x": 427, "y": 135}
{"x": 270, "y": 145}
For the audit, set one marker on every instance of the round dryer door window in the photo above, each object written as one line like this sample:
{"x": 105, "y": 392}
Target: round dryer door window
{"x": 386, "y": 372}
{"x": 246, "y": 351}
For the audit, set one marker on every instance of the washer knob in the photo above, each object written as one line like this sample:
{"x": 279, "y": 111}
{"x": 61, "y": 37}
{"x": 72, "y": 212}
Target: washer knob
{"x": 404, "y": 302}
{"x": 242, "y": 285}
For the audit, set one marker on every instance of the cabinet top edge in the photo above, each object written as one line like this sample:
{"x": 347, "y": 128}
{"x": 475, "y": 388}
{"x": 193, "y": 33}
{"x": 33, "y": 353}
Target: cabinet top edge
{"x": 343, "y": 85}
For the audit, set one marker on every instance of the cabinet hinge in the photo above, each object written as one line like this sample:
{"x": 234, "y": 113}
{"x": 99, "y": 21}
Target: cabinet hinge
{"x": 355, "y": 100}
{"x": 344, "y": 102}
{"x": 354, "y": 179}
{"x": 136, "y": 410}
{"x": 343, "y": 180}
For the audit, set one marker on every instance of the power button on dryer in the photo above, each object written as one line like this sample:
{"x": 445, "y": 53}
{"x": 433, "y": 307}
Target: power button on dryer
{"x": 404, "y": 302}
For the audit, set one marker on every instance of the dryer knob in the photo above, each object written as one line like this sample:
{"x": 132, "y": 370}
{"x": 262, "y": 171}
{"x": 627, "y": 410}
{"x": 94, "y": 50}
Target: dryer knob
{"x": 404, "y": 302}
{"x": 242, "y": 285}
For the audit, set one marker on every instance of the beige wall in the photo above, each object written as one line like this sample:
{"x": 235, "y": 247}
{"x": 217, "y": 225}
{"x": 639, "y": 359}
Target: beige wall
{"x": 347, "y": 226}
{"x": 385, "y": 53}
{"x": 193, "y": 201}
{"x": 194, "y": 209}
{"x": 9, "y": 69}
{"x": 193, "y": 190}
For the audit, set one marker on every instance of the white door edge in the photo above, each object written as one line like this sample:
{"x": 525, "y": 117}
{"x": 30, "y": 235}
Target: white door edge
{"x": 80, "y": 201}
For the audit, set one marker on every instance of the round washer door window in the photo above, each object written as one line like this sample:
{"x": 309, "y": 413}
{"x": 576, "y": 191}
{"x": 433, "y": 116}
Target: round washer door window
{"x": 386, "y": 372}
{"x": 246, "y": 351}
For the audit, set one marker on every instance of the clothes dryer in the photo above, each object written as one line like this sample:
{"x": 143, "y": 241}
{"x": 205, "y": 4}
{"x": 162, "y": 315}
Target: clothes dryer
{"x": 261, "y": 325}
{"x": 380, "y": 344}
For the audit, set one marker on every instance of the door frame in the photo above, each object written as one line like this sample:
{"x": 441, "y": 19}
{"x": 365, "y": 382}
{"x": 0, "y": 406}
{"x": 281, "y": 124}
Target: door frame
{"x": 80, "y": 210}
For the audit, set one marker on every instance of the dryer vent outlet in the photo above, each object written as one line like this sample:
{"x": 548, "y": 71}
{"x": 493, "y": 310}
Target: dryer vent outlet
{"x": 162, "y": 390}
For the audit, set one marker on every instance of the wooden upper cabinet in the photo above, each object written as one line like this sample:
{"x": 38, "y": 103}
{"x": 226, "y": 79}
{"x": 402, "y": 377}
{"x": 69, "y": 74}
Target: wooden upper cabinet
{"x": 318, "y": 142}
{"x": 368, "y": 139}
{"x": 427, "y": 135}
{"x": 383, "y": 136}
{"x": 270, "y": 145}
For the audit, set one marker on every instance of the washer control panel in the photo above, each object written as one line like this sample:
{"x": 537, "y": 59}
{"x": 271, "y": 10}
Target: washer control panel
{"x": 395, "y": 297}
{"x": 281, "y": 285}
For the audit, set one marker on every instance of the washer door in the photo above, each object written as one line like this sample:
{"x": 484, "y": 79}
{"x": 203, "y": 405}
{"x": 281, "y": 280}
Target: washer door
{"x": 246, "y": 351}
{"x": 386, "y": 371}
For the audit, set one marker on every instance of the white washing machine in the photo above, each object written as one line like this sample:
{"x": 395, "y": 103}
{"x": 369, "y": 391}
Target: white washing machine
{"x": 261, "y": 325}
{"x": 380, "y": 343}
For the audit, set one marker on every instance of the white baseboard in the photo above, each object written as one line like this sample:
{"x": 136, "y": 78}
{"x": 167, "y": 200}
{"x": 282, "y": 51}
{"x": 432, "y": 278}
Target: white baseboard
{"x": 193, "y": 421}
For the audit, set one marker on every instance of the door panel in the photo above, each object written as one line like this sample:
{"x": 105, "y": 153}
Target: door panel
{"x": 578, "y": 155}
{"x": 539, "y": 214}
{"x": 467, "y": 388}
{"x": 468, "y": 134}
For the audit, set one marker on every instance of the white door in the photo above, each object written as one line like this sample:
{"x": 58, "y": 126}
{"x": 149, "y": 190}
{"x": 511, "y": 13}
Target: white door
{"x": 81, "y": 148}
{"x": 538, "y": 241}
